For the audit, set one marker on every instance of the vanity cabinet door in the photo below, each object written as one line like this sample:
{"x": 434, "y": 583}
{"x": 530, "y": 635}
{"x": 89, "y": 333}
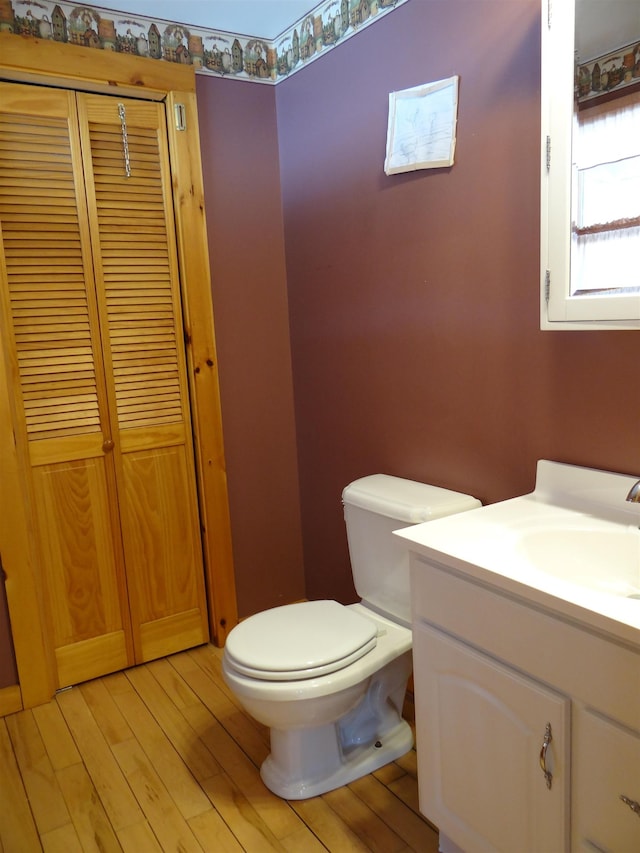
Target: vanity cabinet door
{"x": 606, "y": 767}
{"x": 480, "y": 730}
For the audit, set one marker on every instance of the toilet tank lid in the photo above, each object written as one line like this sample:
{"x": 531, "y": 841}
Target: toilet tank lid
{"x": 405, "y": 500}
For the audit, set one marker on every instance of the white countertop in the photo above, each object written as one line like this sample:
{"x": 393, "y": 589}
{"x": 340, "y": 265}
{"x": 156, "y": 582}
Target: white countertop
{"x": 577, "y": 557}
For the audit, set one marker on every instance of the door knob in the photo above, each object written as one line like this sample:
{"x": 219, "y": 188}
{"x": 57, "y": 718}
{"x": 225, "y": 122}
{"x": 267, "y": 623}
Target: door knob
{"x": 108, "y": 445}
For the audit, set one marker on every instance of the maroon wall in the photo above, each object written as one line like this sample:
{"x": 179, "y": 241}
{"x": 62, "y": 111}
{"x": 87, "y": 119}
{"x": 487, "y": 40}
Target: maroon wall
{"x": 8, "y": 669}
{"x": 414, "y": 298}
{"x": 244, "y": 216}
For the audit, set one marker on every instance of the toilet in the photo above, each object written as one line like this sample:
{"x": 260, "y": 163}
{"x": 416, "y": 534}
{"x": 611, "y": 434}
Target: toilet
{"x": 329, "y": 680}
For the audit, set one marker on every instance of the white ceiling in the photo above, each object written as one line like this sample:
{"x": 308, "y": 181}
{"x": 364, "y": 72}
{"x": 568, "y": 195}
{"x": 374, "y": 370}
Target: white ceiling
{"x": 264, "y": 18}
{"x": 604, "y": 25}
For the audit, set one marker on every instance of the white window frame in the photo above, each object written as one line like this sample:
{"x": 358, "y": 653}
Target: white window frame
{"x": 558, "y": 308}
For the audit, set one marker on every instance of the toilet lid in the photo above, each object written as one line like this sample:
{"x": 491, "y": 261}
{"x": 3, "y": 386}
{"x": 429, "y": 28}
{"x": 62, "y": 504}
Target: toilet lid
{"x": 298, "y": 641}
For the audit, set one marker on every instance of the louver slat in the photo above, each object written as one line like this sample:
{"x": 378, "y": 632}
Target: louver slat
{"x": 137, "y": 277}
{"x": 46, "y": 277}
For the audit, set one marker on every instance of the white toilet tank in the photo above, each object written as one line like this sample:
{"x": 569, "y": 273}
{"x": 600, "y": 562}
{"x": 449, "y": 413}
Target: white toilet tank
{"x": 374, "y": 507}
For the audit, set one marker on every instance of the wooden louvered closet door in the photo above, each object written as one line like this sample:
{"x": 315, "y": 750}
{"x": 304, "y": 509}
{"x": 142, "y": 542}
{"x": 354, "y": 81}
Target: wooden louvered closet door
{"x": 92, "y": 329}
{"x": 135, "y": 260}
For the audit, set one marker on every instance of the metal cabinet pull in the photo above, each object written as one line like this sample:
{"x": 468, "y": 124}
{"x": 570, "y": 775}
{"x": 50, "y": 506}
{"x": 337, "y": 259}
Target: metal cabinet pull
{"x": 633, "y": 805}
{"x": 548, "y": 776}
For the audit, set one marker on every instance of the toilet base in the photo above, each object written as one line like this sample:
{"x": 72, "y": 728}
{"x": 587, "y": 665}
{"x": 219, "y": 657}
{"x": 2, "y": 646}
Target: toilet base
{"x": 340, "y": 769}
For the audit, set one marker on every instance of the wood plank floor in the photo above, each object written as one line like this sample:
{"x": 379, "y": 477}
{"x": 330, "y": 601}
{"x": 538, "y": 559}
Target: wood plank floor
{"x": 161, "y": 758}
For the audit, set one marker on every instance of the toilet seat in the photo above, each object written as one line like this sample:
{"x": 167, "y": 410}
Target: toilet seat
{"x": 299, "y": 641}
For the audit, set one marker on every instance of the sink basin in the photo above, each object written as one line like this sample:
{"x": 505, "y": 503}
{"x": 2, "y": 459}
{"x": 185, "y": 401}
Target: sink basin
{"x": 603, "y": 557}
{"x": 573, "y": 544}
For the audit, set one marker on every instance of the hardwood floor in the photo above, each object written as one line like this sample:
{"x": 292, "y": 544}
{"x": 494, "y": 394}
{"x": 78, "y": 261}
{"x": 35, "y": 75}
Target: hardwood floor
{"x": 161, "y": 758}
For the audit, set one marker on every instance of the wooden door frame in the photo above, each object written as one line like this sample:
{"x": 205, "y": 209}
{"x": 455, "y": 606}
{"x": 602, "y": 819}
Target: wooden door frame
{"x": 51, "y": 63}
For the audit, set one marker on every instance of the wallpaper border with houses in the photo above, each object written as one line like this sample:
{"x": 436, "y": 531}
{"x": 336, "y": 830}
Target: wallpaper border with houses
{"x": 618, "y": 69}
{"x": 209, "y": 51}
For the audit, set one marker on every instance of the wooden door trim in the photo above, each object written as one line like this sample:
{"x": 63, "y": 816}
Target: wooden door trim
{"x": 71, "y": 66}
{"x": 202, "y": 364}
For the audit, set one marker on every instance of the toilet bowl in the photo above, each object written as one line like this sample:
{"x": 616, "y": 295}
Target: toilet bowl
{"x": 329, "y": 680}
{"x": 329, "y": 729}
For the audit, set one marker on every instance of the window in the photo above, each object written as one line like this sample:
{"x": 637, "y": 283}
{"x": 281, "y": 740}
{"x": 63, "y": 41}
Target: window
{"x": 605, "y": 243}
{"x": 590, "y": 176}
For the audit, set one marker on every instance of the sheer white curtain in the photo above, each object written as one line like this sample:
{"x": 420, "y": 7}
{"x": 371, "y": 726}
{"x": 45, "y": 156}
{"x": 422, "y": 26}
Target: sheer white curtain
{"x": 606, "y": 197}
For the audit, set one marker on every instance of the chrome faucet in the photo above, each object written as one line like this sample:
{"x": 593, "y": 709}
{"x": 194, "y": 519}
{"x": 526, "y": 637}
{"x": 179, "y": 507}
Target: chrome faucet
{"x": 634, "y": 493}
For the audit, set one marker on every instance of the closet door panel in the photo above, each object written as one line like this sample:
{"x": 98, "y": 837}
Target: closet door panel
{"x": 129, "y": 190}
{"x": 61, "y": 407}
{"x": 75, "y": 522}
{"x": 163, "y": 587}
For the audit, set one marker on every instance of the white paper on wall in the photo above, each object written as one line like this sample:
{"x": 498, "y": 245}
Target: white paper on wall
{"x": 421, "y": 132}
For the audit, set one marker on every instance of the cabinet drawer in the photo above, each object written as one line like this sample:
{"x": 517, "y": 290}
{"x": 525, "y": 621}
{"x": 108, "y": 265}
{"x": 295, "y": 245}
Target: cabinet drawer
{"x": 606, "y": 765}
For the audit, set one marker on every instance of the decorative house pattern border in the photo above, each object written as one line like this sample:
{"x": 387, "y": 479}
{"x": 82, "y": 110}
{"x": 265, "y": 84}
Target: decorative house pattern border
{"x": 615, "y": 70}
{"x": 209, "y": 51}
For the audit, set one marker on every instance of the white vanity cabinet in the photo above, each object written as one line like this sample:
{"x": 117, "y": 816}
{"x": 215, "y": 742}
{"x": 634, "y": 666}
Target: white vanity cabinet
{"x": 495, "y": 672}
{"x": 482, "y": 728}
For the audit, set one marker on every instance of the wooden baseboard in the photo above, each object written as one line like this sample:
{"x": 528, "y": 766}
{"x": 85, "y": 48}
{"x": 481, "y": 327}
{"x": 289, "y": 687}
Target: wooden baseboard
{"x": 10, "y": 700}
